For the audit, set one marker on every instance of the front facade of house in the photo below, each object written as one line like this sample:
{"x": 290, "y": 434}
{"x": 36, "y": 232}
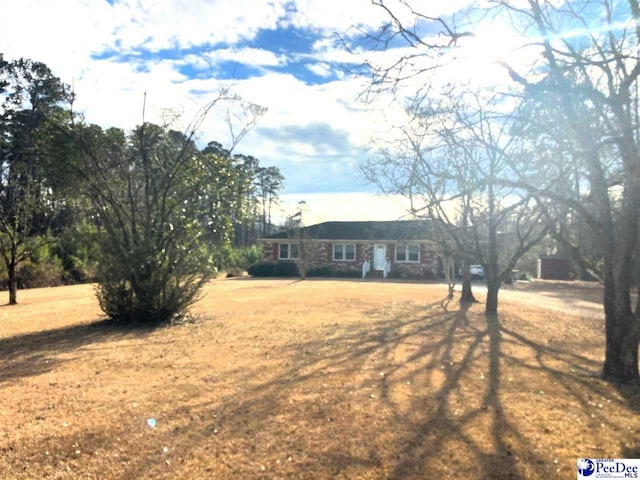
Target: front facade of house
{"x": 343, "y": 247}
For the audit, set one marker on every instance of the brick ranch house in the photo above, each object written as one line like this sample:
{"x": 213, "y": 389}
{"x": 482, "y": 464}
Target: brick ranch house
{"x": 344, "y": 247}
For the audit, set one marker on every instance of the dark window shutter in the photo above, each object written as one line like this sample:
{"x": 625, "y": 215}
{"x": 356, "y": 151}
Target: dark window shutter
{"x": 330, "y": 252}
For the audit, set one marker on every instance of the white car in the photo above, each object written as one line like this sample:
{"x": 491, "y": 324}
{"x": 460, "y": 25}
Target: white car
{"x": 477, "y": 271}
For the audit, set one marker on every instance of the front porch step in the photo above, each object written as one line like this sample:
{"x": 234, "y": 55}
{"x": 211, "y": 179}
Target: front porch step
{"x": 375, "y": 274}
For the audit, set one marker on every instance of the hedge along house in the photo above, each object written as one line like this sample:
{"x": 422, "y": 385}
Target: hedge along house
{"x": 342, "y": 248}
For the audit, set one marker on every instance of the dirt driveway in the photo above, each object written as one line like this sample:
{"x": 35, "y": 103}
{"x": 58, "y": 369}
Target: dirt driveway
{"x": 582, "y": 299}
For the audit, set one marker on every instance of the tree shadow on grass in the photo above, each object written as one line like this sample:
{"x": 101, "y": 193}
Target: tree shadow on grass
{"x": 36, "y": 353}
{"x": 410, "y": 392}
{"x": 494, "y": 457}
{"x": 415, "y": 393}
{"x": 631, "y": 393}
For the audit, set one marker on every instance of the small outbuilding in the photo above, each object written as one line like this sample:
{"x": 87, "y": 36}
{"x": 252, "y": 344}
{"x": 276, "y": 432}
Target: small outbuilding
{"x": 552, "y": 268}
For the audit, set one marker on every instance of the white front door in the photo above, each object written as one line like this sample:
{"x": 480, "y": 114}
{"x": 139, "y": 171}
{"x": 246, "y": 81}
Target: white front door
{"x": 379, "y": 256}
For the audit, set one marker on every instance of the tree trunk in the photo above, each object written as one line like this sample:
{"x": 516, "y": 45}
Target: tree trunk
{"x": 467, "y": 293}
{"x": 621, "y": 356}
{"x": 13, "y": 284}
{"x": 449, "y": 269}
{"x": 622, "y": 331}
{"x": 493, "y": 287}
{"x": 302, "y": 265}
{"x": 622, "y": 326}
{"x": 268, "y": 224}
{"x": 491, "y": 268}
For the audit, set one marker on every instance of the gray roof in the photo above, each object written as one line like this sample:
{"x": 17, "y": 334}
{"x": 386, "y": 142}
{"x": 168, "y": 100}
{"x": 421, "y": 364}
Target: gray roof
{"x": 401, "y": 230}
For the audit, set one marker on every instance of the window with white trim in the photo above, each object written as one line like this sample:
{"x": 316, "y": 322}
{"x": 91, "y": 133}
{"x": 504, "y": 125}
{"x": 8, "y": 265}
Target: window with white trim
{"x": 344, "y": 252}
{"x": 288, "y": 251}
{"x": 408, "y": 253}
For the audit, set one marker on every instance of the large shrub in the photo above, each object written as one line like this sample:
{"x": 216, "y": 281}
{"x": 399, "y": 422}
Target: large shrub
{"x": 42, "y": 268}
{"x": 153, "y": 198}
{"x": 77, "y": 247}
{"x": 243, "y": 258}
{"x": 229, "y": 258}
{"x": 45, "y": 273}
{"x": 274, "y": 269}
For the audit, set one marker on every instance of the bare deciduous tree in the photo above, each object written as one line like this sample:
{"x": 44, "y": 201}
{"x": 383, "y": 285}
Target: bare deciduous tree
{"x": 448, "y": 162}
{"x": 584, "y": 67}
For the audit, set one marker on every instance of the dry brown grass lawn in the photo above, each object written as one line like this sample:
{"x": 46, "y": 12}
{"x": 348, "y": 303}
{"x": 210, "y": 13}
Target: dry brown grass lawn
{"x": 313, "y": 379}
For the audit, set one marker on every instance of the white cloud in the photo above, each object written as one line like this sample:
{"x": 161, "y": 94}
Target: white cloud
{"x": 51, "y": 32}
{"x": 247, "y": 56}
{"x": 340, "y": 15}
{"x": 196, "y": 62}
{"x": 69, "y": 31}
{"x": 334, "y": 15}
{"x": 320, "y": 69}
{"x": 334, "y": 54}
{"x": 112, "y": 93}
{"x": 161, "y": 24}
{"x": 290, "y": 102}
{"x": 68, "y": 35}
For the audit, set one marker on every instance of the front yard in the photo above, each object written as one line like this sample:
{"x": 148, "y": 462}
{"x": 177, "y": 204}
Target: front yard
{"x": 307, "y": 379}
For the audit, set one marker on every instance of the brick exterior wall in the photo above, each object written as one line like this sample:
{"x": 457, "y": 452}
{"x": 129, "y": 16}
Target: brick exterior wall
{"x": 319, "y": 253}
{"x": 270, "y": 251}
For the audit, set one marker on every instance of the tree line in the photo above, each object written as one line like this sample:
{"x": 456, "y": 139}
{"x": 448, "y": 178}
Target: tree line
{"x": 147, "y": 213}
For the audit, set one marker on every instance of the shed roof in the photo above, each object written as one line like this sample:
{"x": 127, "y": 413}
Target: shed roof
{"x": 402, "y": 230}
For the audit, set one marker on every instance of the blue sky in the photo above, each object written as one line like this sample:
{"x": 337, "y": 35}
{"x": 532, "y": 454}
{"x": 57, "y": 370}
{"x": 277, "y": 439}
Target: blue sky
{"x": 284, "y": 55}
